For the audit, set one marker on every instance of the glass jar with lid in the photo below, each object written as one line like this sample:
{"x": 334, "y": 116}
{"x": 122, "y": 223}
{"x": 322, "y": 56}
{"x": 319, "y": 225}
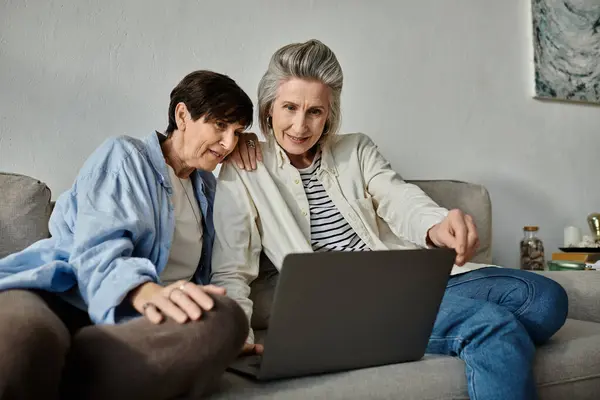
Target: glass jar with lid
{"x": 532, "y": 250}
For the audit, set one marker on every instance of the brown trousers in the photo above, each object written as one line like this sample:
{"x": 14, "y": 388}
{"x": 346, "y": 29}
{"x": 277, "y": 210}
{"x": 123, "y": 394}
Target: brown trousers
{"x": 50, "y": 350}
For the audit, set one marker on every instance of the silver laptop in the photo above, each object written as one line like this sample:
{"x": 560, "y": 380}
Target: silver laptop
{"x": 347, "y": 310}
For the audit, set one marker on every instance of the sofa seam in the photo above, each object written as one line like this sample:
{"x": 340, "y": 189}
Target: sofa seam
{"x": 571, "y": 380}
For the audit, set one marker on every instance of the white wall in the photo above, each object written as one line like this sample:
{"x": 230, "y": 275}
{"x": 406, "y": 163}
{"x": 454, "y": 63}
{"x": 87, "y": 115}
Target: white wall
{"x": 444, "y": 87}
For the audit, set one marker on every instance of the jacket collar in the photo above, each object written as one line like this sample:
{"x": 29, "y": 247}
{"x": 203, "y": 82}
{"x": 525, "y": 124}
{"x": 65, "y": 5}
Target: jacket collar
{"x": 327, "y": 158}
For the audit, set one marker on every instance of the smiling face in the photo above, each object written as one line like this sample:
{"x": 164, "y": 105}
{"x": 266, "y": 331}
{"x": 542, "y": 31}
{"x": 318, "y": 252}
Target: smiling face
{"x": 299, "y": 114}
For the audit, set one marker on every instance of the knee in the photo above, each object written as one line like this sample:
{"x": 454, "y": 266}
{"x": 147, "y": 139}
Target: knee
{"x": 225, "y": 326}
{"x": 542, "y": 296}
{"x": 540, "y": 303}
{"x": 33, "y": 346}
{"x": 229, "y": 320}
{"x": 34, "y": 337}
{"x": 29, "y": 329}
{"x": 552, "y": 306}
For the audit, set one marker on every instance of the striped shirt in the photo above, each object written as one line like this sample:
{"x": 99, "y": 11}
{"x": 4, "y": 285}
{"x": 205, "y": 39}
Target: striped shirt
{"x": 329, "y": 231}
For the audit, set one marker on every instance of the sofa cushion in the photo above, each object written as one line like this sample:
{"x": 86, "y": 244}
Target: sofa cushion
{"x": 568, "y": 367}
{"x": 24, "y": 212}
{"x": 434, "y": 377}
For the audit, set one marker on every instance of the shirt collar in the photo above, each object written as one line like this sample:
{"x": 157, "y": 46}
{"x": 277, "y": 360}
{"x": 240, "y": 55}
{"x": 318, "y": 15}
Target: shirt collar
{"x": 156, "y": 156}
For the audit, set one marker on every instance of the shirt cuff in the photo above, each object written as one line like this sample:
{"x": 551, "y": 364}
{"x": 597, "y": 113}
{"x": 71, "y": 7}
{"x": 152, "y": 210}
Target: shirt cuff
{"x": 102, "y": 305}
{"x": 427, "y": 222}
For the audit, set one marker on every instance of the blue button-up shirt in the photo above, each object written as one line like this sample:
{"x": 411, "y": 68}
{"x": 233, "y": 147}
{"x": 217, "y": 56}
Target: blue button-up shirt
{"x": 111, "y": 231}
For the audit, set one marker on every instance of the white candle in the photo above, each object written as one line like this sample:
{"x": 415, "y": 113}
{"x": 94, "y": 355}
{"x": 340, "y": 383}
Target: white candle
{"x": 572, "y": 236}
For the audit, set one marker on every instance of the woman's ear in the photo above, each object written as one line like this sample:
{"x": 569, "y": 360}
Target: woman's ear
{"x": 181, "y": 113}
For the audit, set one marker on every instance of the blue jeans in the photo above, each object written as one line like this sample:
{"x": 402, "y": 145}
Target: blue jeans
{"x": 492, "y": 318}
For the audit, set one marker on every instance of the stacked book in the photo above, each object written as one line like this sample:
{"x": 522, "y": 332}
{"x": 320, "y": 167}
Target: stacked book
{"x": 574, "y": 260}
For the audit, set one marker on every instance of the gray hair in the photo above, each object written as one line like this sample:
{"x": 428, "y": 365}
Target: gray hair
{"x": 311, "y": 60}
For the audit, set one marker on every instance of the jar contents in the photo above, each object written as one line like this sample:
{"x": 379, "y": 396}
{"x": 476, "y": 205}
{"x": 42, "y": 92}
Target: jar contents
{"x": 532, "y": 250}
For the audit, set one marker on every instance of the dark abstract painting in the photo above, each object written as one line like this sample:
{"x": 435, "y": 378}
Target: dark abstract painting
{"x": 566, "y": 40}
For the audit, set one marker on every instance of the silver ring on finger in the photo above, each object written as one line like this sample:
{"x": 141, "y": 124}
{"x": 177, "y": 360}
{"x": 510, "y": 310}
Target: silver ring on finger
{"x": 251, "y": 143}
{"x": 182, "y": 287}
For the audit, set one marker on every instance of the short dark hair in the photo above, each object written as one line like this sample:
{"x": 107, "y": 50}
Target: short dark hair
{"x": 211, "y": 95}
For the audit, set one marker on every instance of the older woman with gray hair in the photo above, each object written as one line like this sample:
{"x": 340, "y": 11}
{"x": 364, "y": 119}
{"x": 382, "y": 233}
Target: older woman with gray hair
{"x": 319, "y": 191}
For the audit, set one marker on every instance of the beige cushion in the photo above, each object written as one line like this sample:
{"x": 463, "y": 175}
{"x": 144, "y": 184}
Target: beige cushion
{"x": 24, "y": 212}
{"x": 568, "y": 367}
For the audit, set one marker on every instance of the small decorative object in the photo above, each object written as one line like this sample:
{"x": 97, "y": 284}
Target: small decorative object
{"x": 594, "y": 223}
{"x": 555, "y": 265}
{"x": 572, "y": 236}
{"x": 566, "y": 42}
{"x": 532, "y": 250}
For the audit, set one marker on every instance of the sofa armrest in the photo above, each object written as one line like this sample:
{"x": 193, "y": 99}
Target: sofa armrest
{"x": 583, "y": 289}
{"x": 24, "y": 212}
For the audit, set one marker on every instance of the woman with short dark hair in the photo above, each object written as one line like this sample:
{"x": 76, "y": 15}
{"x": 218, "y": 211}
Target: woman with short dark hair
{"x": 133, "y": 236}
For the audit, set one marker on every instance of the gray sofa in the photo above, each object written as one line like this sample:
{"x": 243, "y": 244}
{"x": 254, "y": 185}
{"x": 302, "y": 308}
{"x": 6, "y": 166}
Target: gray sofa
{"x": 568, "y": 367}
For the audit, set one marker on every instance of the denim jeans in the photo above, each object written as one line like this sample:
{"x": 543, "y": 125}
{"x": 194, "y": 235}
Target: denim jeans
{"x": 492, "y": 318}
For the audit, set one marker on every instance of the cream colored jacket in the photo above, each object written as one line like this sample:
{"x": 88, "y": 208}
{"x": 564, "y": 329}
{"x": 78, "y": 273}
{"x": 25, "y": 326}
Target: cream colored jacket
{"x": 267, "y": 210}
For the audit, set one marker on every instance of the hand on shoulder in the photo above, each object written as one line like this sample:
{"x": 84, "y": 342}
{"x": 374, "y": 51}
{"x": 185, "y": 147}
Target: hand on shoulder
{"x": 247, "y": 152}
